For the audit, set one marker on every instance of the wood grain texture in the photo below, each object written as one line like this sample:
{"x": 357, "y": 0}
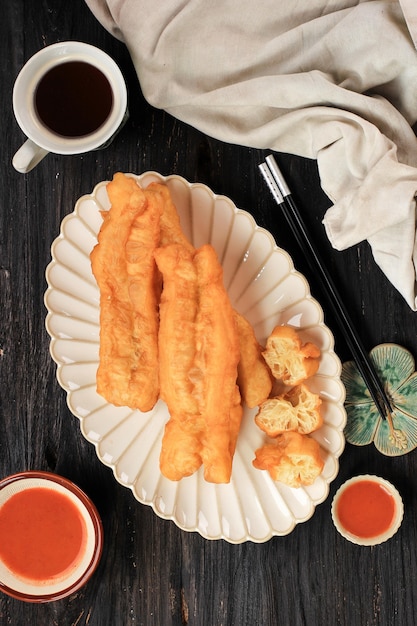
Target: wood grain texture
{"x": 152, "y": 573}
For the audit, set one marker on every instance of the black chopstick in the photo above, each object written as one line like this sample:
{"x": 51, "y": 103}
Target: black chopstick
{"x": 282, "y": 195}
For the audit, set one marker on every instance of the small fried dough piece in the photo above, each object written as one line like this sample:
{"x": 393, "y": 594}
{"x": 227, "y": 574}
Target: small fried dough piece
{"x": 289, "y": 359}
{"x": 216, "y": 358}
{"x": 297, "y": 409}
{"x": 254, "y": 375}
{"x": 181, "y": 444}
{"x": 292, "y": 458}
{"x": 123, "y": 265}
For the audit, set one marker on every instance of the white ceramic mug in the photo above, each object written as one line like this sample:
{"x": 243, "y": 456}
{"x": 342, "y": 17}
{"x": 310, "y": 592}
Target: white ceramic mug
{"x": 41, "y": 138}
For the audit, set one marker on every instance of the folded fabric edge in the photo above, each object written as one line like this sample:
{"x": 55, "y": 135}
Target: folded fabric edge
{"x": 409, "y": 9}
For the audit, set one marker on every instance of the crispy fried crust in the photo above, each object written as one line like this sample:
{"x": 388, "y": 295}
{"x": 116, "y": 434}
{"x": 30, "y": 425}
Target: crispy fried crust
{"x": 292, "y": 458}
{"x": 289, "y": 359}
{"x": 198, "y": 356}
{"x": 171, "y": 231}
{"x": 181, "y": 443}
{"x": 254, "y": 375}
{"x": 297, "y": 409}
{"x": 217, "y": 358}
{"x": 124, "y": 268}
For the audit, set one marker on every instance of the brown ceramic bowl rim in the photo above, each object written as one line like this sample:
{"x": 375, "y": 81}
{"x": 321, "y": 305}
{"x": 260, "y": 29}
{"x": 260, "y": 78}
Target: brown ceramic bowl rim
{"x": 98, "y": 532}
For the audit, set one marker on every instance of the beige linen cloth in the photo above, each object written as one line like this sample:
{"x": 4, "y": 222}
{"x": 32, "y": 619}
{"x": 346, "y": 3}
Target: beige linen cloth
{"x": 332, "y": 80}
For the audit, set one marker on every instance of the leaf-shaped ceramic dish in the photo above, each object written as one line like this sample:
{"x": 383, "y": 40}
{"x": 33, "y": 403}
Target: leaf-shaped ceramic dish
{"x": 264, "y": 286}
{"x": 396, "y": 368}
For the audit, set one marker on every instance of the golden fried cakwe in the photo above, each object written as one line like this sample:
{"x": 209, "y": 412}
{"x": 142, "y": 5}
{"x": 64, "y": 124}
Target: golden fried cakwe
{"x": 291, "y": 458}
{"x": 198, "y": 356}
{"x": 290, "y": 360}
{"x": 171, "y": 231}
{"x": 124, "y": 267}
{"x": 217, "y": 358}
{"x": 297, "y": 409}
{"x": 254, "y": 375}
{"x": 181, "y": 444}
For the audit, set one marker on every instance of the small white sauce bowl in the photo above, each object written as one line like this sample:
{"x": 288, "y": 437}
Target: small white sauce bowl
{"x": 381, "y": 536}
{"x": 47, "y": 591}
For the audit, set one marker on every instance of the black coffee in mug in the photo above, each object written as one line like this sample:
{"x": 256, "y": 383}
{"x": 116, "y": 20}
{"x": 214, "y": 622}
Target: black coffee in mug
{"x": 73, "y": 99}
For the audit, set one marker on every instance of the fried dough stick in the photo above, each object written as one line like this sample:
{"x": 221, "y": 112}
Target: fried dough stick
{"x": 124, "y": 267}
{"x": 171, "y": 231}
{"x": 255, "y": 380}
{"x": 181, "y": 444}
{"x": 254, "y": 375}
{"x": 216, "y": 358}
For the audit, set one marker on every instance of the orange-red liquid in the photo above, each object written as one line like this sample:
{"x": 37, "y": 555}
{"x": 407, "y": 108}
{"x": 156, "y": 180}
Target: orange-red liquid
{"x": 42, "y": 534}
{"x": 366, "y": 509}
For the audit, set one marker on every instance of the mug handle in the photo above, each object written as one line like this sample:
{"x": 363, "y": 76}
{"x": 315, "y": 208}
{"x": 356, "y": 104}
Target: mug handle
{"x": 28, "y": 156}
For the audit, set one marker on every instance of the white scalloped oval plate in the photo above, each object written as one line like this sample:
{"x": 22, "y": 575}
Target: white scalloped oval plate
{"x": 264, "y": 286}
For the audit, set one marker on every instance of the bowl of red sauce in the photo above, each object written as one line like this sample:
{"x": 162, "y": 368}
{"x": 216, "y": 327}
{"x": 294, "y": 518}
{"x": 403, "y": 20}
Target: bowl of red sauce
{"x": 367, "y": 510}
{"x": 51, "y": 537}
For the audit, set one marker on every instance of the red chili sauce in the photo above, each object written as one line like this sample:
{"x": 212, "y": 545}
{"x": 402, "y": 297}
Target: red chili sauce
{"x": 366, "y": 509}
{"x": 43, "y": 534}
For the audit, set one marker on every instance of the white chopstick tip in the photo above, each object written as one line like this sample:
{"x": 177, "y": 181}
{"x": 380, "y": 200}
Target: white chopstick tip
{"x": 277, "y": 175}
{"x": 273, "y": 187}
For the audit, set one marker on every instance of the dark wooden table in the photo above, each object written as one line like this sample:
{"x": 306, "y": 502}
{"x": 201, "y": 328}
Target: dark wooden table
{"x": 151, "y": 572}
